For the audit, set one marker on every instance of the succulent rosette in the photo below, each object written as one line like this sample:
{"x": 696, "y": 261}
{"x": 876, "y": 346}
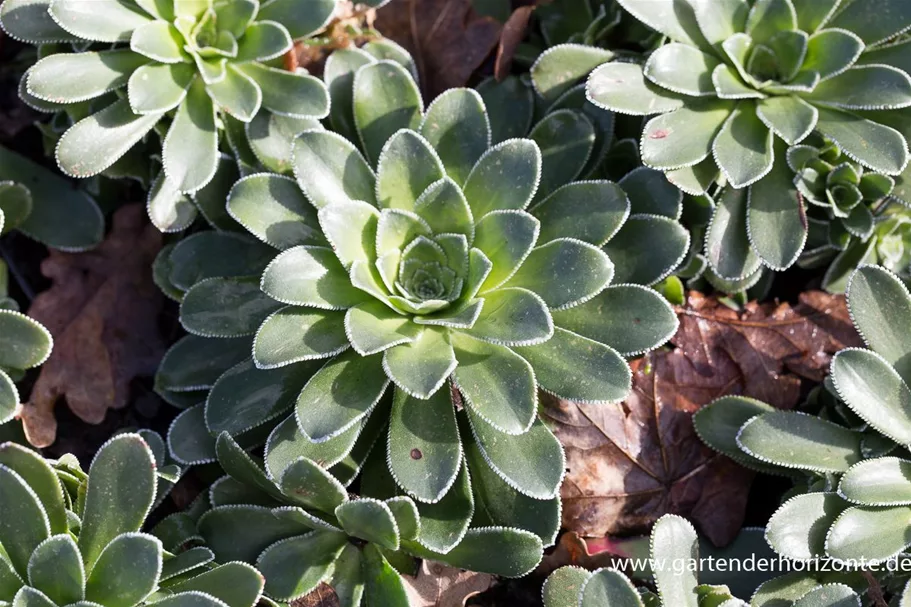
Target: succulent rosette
{"x": 738, "y": 82}
{"x": 187, "y": 65}
{"x": 424, "y": 291}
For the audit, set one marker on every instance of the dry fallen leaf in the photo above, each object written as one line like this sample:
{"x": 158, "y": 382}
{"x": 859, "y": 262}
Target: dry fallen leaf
{"x": 321, "y": 596}
{"x": 513, "y": 34}
{"x": 447, "y": 38}
{"x": 102, "y": 311}
{"x": 632, "y": 462}
{"x": 437, "y": 585}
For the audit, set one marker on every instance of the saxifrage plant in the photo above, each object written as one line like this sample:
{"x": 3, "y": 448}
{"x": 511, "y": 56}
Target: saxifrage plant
{"x": 24, "y": 343}
{"x": 300, "y": 526}
{"x": 852, "y": 503}
{"x": 187, "y": 63}
{"x": 418, "y": 265}
{"x": 71, "y": 538}
{"x": 738, "y": 82}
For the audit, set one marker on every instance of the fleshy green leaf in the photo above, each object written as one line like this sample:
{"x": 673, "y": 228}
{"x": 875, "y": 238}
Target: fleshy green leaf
{"x": 589, "y": 211}
{"x": 497, "y": 383}
{"x": 340, "y": 394}
{"x": 157, "y": 88}
{"x": 623, "y": 88}
{"x": 874, "y": 145}
{"x": 875, "y": 21}
{"x": 791, "y": 118}
{"x": 422, "y": 366}
{"x": 307, "y": 484}
{"x": 456, "y": 125}
{"x": 241, "y": 533}
{"x": 829, "y": 595}
{"x": 300, "y": 23}
{"x": 566, "y": 139}
{"x": 801, "y": 441}
{"x": 169, "y": 209}
{"x": 289, "y": 93}
{"x": 875, "y": 534}
{"x": 26, "y": 343}
{"x": 350, "y": 228}
{"x": 271, "y": 139}
{"x": 330, "y": 169}
{"x": 510, "y": 107}
{"x": 682, "y": 69}
{"x": 718, "y": 423}
{"x": 56, "y": 567}
{"x": 158, "y": 40}
{"x": 225, "y": 307}
{"x": 407, "y": 166}
{"x": 505, "y": 177}
{"x": 189, "y": 440}
{"x": 190, "y": 152}
{"x": 564, "y": 273}
{"x": 41, "y": 478}
{"x": 506, "y": 238}
{"x": 775, "y": 222}
{"x": 310, "y": 276}
{"x": 798, "y": 528}
{"x": 30, "y": 21}
{"x": 75, "y": 77}
{"x": 273, "y": 209}
{"x": 832, "y": 51}
{"x": 444, "y": 208}
{"x": 743, "y": 147}
{"x": 370, "y": 520}
{"x": 121, "y": 490}
{"x": 238, "y": 94}
{"x": 674, "y": 538}
{"x": 559, "y": 68}
{"x": 727, "y": 247}
{"x": 126, "y": 571}
{"x": 604, "y": 587}
{"x": 513, "y": 316}
{"x": 372, "y": 327}
{"x": 237, "y": 584}
{"x": 194, "y": 363}
{"x": 883, "y": 481}
{"x": 617, "y": 317}
{"x": 866, "y": 87}
{"x": 633, "y": 265}
{"x": 675, "y": 20}
{"x": 383, "y": 583}
{"x": 102, "y": 21}
{"x": 683, "y": 137}
{"x": 24, "y": 524}
{"x": 518, "y": 552}
{"x": 386, "y": 99}
{"x": 424, "y": 449}
{"x": 444, "y": 523}
{"x": 650, "y": 192}
{"x": 263, "y": 41}
{"x": 295, "y": 566}
{"x": 295, "y": 334}
{"x": 339, "y": 76}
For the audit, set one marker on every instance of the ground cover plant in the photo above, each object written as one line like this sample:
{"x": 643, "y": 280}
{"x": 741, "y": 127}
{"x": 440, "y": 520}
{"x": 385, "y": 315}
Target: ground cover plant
{"x": 454, "y": 302}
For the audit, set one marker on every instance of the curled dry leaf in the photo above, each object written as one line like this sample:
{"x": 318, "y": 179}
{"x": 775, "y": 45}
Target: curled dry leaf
{"x": 513, "y": 34}
{"x": 321, "y": 596}
{"x": 438, "y": 585}
{"x": 102, "y": 311}
{"x": 448, "y": 39}
{"x": 631, "y": 462}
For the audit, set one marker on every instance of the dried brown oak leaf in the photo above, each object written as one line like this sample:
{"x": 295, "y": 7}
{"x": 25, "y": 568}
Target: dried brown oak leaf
{"x": 632, "y": 462}
{"x": 447, "y": 38}
{"x": 437, "y": 585}
{"x": 102, "y": 310}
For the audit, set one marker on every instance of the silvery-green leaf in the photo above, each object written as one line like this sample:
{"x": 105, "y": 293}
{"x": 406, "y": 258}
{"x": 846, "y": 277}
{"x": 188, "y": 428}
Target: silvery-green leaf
{"x": 813, "y": 14}
{"x": 876, "y": 21}
{"x": 791, "y": 118}
{"x": 444, "y": 523}
{"x": 798, "y": 528}
{"x": 273, "y": 209}
{"x": 684, "y": 137}
{"x": 670, "y": 241}
{"x": 518, "y": 554}
{"x": 382, "y": 582}
{"x": 225, "y": 307}
{"x": 190, "y": 152}
{"x": 237, "y": 584}
{"x": 295, "y": 334}
{"x": 347, "y": 578}
{"x": 559, "y": 68}
{"x": 718, "y": 423}
{"x": 9, "y": 398}
{"x": 306, "y": 483}
{"x": 727, "y": 247}
{"x": 538, "y": 473}
{"x": 874, "y": 145}
{"x": 194, "y": 363}
{"x": 300, "y": 21}
{"x": 29, "y": 597}
{"x": 406, "y": 516}
{"x": 456, "y": 125}
{"x": 350, "y": 228}
{"x": 674, "y": 538}
{"x": 682, "y": 69}
{"x": 422, "y": 366}
{"x": 339, "y": 77}
{"x": 120, "y": 493}
{"x": 837, "y": 277}
{"x": 26, "y": 342}
{"x": 562, "y": 587}
{"x": 372, "y": 327}
{"x": 566, "y": 139}
{"x": 590, "y": 211}
{"x": 15, "y": 206}
{"x": 237, "y": 94}
{"x": 775, "y": 223}
{"x": 883, "y": 481}
{"x": 510, "y": 106}
{"x": 210, "y": 254}
{"x": 874, "y": 390}
{"x": 25, "y": 524}
{"x": 743, "y": 148}
{"x": 310, "y": 276}
{"x": 407, "y": 166}
{"x": 796, "y": 440}
{"x": 329, "y": 169}
{"x": 126, "y": 571}
{"x": 578, "y": 369}
{"x": 650, "y": 192}
{"x": 832, "y": 51}
{"x": 718, "y": 21}
{"x": 289, "y": 93}
{"x": 875, "y": 534}
{"x": 506, "y": 238}
{"x": 370, "y": 520}
{"x": 729, "y": 85}
{"x": 75, "y": 77}
{"x": 287, "y": 444}
{"x": 695, "y": 180}
{"x": 56, "y": 567}
{"x": 616, "y": 317}
{"x": 500, "y": 504}
{"x": 829, "y": 595}
{"x": 189, "y": 441}
{"x": 623, "y": 88}
{"x": 156, "y": 87}
{"x": 95, "y": 143}
{"x": 295, "y": 566}
{"x": 675, "y": 20}
{"x": 424, "y": 449}
{"x": 41, "y": 478}
{"x": 564, "y": 272}
{"x": 387, "y": 49}
{"x": 168, "y": 208}
{"x": 865, "y": 87}
{"x": 768, "y": 17}
{"x": 102, "y": 21}
{"x": 513, "y": 316}
{"x": 30, "y": 21}
{"x": 242, "y": 533}
{"x": 607, "y": 587}
{"x": 505, "y": 177}
{"x": 444, "y": 208}
{"x": 158, "y": 40}
{"x": 498, "y": 384}
{"x": 262, "y": 41}
{"x": 345, "y": 390}
{"x": 272, "y": 137}
{"x": 386, "y": 99}
{"x": 894, "y": 54}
